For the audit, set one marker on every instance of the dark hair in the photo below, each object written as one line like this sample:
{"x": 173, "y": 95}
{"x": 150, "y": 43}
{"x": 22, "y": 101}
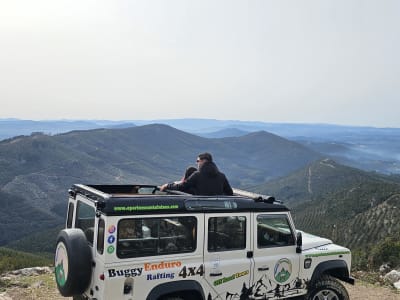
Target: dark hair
{"x": 189, "y": 171}
{"x": 207, "y": 156}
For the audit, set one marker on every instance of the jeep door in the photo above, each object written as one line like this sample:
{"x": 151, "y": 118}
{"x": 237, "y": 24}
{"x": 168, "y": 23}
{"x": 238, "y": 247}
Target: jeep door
{"x": 276, "y": 266}
{"x": 227, "y": 255}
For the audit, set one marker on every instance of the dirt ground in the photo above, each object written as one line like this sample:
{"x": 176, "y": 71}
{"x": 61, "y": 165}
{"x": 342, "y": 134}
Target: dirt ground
{"x": 365, "y": 291}
{"x": 43, "y": 288}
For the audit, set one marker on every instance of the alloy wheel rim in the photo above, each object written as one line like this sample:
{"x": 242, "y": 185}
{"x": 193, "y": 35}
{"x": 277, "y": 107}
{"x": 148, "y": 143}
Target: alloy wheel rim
{"x": 326, "y": 295}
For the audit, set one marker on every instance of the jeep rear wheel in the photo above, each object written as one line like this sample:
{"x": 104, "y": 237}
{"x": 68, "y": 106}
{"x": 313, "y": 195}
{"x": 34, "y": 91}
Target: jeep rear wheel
{"x": 328, "y": 288}
{"x": 72, "y": 262}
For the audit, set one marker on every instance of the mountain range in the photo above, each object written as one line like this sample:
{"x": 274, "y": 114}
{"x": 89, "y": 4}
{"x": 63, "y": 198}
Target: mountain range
{"x": 37, "y": 170}
{"x": 367, "y": 148}
{"x": 353, "y": 207}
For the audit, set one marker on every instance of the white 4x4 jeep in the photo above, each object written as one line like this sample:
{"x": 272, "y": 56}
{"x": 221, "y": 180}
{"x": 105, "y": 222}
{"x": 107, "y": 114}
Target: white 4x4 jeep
{"x": 135, "y": 242}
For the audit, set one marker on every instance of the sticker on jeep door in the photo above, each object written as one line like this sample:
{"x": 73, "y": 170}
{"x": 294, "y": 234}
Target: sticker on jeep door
{"x": 191, "y": 271}
{"x": 162, "y": 265}
{"x": 125, "y": 273}
{"x": 230, "y": 278}
{"x": 280, "y": 286}
{"x": 282, "y": 270}
{"x": 263, "y": 288}
{"x": 163, "y": 275}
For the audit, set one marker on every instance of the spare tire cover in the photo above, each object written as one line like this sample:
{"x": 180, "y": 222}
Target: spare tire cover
{"x": 72, "y": 262}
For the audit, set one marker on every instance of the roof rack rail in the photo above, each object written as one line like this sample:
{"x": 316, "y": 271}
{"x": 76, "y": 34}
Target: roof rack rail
{"x": 175, "y": 192}
{"x": 256, "y": 197}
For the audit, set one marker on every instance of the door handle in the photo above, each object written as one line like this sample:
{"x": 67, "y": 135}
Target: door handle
{"x": 263, "y": 269}
{"x": 215, "y": 274}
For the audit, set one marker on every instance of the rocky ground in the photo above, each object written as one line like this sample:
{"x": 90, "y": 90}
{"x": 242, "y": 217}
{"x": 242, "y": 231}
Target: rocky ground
{"x": 39, "y": 284}
{"x": 365, "y": 291}
{"x": 29, "y": 284}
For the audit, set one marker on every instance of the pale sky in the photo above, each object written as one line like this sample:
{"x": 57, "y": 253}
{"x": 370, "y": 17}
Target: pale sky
{"x": 305, "y": 61}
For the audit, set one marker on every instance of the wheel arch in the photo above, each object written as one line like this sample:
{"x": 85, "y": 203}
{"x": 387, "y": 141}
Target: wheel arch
{"x": 176, "y": 287}
{"x": 335, "y": 268}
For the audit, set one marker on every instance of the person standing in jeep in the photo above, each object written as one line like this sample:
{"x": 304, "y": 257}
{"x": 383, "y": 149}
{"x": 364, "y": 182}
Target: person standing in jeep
{"x": 206, "y": 181}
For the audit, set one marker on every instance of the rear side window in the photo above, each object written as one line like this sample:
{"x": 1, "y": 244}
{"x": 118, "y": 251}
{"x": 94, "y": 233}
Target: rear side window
{"x": 100, "y": 236}
{"x": 70, "y": 214}
{"x": 226, "y": 233}
{"x": 85, "y": 216}
{"x": 274, "y": 231}
{"x": 156, "y": 236}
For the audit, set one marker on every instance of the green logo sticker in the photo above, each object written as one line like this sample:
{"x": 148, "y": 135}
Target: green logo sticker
{"x": 110, "y": 249}
{"x": 61, "y": 263}
{"x": 60, "y": 274}
{"x": 283, "y": 269}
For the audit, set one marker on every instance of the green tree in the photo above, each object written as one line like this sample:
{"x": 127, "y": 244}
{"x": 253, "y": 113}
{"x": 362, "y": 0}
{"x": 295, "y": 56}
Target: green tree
{"x": 387, "y": 251}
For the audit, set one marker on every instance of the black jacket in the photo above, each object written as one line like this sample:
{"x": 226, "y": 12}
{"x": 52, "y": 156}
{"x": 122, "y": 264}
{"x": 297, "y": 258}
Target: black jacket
{"x": 207, "y": 181}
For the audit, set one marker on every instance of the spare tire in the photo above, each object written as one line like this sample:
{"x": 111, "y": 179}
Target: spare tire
{"x": 72, "y": 262}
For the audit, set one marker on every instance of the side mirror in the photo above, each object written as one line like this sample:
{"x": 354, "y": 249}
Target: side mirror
{"x": 299, "y": 242}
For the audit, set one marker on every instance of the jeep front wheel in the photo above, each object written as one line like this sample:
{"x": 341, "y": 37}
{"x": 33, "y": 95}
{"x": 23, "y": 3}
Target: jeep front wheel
{"x": 72, "y": 262}
{"x": 328, "y": 288}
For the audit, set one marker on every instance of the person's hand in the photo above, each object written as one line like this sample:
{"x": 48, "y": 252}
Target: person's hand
{"x": 163, "y": 187}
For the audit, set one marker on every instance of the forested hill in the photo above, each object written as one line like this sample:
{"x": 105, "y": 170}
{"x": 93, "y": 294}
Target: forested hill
{"x": 36, "y": 171}
{"x": 353, "y": 207}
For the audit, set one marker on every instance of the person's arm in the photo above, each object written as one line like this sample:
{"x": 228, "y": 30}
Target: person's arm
{"x": 168, "y": 186}
{"x": 182, "y": 186}
{"x": 188, "y": 184}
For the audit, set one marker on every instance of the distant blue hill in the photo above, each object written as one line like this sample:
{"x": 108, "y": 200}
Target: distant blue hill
{"x": 229, "y": 132}
{"x": 298, "y": 131}
{"x": 317, "y": 131}
{"x": 367, "y": 148}
{"x": 15, "y": 127}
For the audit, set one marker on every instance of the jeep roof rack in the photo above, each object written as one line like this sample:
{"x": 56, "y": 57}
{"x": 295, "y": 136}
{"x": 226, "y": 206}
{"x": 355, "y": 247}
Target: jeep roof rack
{"x": 145, "y": 199}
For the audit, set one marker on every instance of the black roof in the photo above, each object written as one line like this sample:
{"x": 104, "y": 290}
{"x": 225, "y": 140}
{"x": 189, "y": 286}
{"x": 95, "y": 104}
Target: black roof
{"x": 145, "y": 199}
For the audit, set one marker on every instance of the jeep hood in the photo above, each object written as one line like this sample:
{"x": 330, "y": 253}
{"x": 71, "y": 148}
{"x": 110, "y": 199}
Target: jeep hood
{"x": 312, "y": 241}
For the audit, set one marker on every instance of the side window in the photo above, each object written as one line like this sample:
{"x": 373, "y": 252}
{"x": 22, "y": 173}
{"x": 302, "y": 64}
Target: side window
{"x": 156, "y": 236}
{"x": 100, "y": 237}
{"x": 274, "y": 231}
{"x": 226, "y": 233}
{"x": 85, "y": 216}
{"x": 70, "y": 214}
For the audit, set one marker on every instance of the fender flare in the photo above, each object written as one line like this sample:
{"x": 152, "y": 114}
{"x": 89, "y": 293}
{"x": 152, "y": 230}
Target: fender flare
{"x": 174, "y": 287}
{"x": 336, "y": 268}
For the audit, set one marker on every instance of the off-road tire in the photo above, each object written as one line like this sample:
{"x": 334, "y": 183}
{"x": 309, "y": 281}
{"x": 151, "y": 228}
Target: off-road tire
{"x": 327, "y": 287}
{"x": 73, "y": 262}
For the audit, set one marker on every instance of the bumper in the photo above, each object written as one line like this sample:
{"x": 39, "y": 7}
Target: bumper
{"x": 349, "y": 279}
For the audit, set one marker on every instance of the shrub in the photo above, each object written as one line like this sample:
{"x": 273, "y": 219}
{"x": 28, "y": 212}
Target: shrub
{"x": 387, "y": 251}
{"x": 13, "y": 260}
